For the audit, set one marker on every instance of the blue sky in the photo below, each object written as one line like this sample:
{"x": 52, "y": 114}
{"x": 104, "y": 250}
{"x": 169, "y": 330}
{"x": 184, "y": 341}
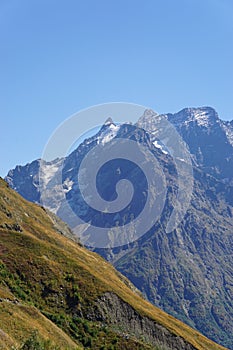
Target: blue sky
{"x": 58, "y": 57}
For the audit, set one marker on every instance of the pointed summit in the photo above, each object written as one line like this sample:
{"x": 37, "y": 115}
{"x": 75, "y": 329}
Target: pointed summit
{"x": 148, "y": 113}
{"x": 108, "y": 121}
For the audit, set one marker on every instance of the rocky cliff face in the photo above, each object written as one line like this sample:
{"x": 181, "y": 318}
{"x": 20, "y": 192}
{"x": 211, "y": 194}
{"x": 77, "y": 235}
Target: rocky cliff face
{"x": 187, "y": 272}
{"x": 111, "y": 309}
{"x": 25, "y": 180}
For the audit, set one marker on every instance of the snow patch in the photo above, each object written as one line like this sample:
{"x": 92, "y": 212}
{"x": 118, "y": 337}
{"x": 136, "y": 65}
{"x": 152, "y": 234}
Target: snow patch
{"x": 108, "y": 134}
{"x": 48, "y": 170}
{"x": 202, "y": 119}
{"x": 67, "y": 185}
{"x": 157, "y": 144}
{"x": 228, "y": 131}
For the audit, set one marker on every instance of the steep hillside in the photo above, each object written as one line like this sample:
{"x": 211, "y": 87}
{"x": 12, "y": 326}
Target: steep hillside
{"x": 18, "y": 320}
{"x": 71, "y": 296}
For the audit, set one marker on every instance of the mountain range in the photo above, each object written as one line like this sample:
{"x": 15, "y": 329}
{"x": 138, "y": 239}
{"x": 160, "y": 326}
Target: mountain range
{"x": 187, "y": 272}
{"x": 55, "y": 294}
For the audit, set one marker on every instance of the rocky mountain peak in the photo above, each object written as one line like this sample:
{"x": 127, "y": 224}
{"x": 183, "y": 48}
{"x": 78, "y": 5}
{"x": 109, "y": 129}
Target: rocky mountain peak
{"x": 201, "y": 116}
{"x": 149, "y": 113}
{"x": 108, "y": 121}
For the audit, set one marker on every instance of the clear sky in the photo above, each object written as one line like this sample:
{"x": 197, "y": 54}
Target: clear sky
{"x": 60, "y": 56}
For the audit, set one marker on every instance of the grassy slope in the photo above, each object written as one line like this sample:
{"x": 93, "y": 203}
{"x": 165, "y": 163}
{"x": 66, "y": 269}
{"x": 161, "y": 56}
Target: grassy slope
{"x": 16, "y": 320}
{"x": 59, "y": 277}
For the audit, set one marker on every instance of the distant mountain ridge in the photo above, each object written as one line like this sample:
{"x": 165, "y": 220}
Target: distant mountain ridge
{"x": 187, "y": 272}
{"x": 209, "y": 138}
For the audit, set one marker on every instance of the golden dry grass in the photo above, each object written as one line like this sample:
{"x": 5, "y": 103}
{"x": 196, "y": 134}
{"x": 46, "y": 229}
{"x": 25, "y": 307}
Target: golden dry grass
{"x": 18, "y": 322}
